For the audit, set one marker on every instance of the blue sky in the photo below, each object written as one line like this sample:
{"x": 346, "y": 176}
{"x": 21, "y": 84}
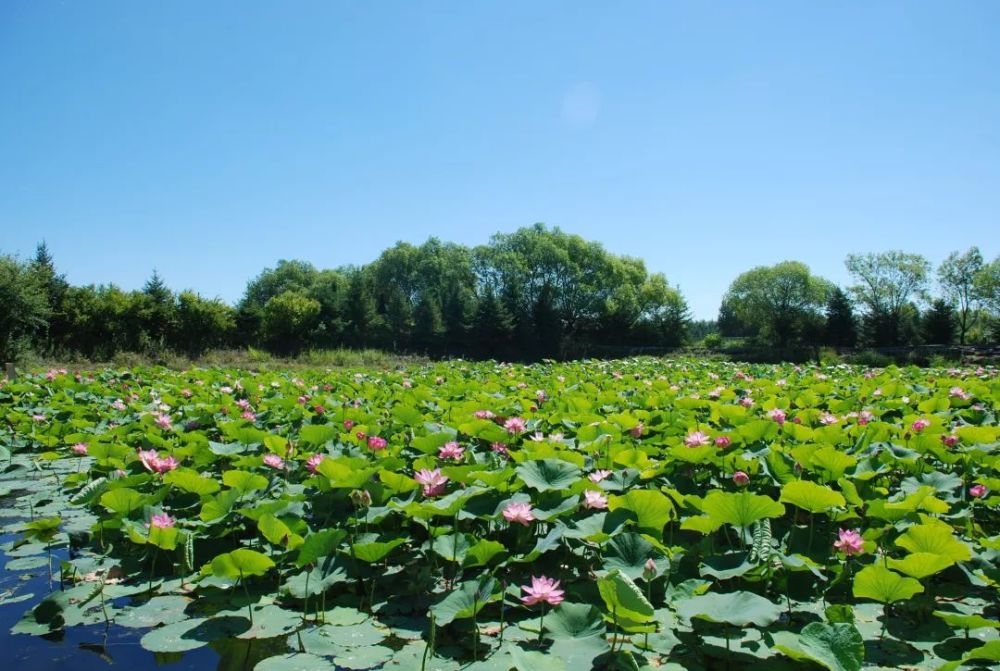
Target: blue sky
{"x": 209, "y": 140}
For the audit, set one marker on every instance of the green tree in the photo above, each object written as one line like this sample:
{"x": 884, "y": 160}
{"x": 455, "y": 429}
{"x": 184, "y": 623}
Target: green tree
{"x": 428, "y": 325}
{"x": 201, "y": 324}
{"x": 781, "y": 302}
{"x": 886, "y": 283}
{"x": 841, "y": 327}
{"x": 25, "y": 307}
{"x": 296, "y": 276}
{"x": 156, "y": 311}
{"x": 957, "y": 277}
{"x": 939, "y": 322}
{"x": 360, "y": 311}
{"x": 492, "y": 327}
{"x": 289, "y": 319}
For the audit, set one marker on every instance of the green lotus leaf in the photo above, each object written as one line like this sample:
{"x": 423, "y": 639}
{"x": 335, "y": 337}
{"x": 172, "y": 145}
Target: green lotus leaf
{"x": 241, "y": 563}
{"x": 919, "y": 565}
{"x": 189, "y": 481}
{"x": 880, "y": 584}
{"x": 737, "y": 608}
{"x": 740, "y": 509}
{"x": 294, "y": 661}
{"x": 318, "y": 545}
{"x": 838, "y": 647}
{"x": 623, "y": 599}
{"x": 652, "y": 509}
{"x": 244, "y": 481}
{"x": 122, "y": 501}
{"x": 934, "y": 537}
{"x": 548, "y": 474}
{"x": 466, "y": 600}
{"x": 811, "y": 496}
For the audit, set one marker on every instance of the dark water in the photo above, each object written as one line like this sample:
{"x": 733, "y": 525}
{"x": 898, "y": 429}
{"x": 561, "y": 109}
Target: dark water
{"x": 85, "y": 648}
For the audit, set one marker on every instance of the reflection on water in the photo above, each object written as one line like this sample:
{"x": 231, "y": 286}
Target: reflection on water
{"x": 96, "y": 647}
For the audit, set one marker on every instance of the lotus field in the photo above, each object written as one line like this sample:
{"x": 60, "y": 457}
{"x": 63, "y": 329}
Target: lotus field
{"x": 639, "y": 514}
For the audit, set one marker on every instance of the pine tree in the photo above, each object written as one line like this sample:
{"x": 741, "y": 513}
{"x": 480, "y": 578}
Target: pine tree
{"x": 841, "y": 326}
{"x": 492, "y": 328}
{"x": 939, "y": 324}
{"x": 428, "y": 324}
{"x": 362, "y": 317}
{"x": 548, "y": 325}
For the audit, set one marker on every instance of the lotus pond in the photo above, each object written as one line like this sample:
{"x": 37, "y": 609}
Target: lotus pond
{"x": 640, "y": 514}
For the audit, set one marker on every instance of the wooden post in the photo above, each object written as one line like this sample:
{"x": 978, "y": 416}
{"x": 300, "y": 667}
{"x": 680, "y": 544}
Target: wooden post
{"x": 10, "y": 371}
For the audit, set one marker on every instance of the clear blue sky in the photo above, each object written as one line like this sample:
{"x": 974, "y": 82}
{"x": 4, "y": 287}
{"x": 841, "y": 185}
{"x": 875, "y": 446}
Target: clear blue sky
{"x": 210, "y": 139}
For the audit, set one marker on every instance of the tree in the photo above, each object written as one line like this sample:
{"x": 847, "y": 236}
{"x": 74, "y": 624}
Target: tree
{"x": 25, "y": 307}
{"x": 957, "y": 277}
{"x": 428, "y": 325}
{"x": 297, "y": 276}
{"x": 201, "y": 324}
{"x": 841, "y": 328}
{"x": 55, "y": 287}
{"x": 938, "y": 323}
{"x": 289, "y": 319}
{"x": 359, "y": 309}
{"x": 156, "y": 311}
{"x": 886, "y": 283}
{"x": 492, "y": 327}
{"x": 781, "y": 302}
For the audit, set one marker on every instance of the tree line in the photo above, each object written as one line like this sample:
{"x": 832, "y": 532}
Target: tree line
{"x": 531, "y": 294}
{"x": 889, "y": 304}
{"x": 535, "y": 293}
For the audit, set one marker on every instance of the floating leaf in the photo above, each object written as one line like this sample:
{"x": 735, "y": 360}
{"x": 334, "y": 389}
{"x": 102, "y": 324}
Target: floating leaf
{"x": 736, "y": 608}
{"x": 838, "y": 647}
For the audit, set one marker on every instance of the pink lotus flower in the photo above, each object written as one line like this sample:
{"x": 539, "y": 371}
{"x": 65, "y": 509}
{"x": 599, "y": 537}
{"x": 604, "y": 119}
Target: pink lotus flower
{"x": 515, "y": 425}
{"x": 598, "y": 475}
{"x": 518, "y": 513}
{"x": 723, "y": 442}
{"x": 313, "y": 462}
{"x": 850, "y": 542}
{"x": 360, "y": 435}
{"x": 274, "y": 461}
{"x": 500, "y": 449}
{"x": 919, "y": 425}
{"x": 148, "y": 458}
{"x": 162, "y": 465}
{"x": 38, "y": 418}
{"x": 865, "y": 416}
{"x": 118, "y": 405}
{"x": 741, "y": 479}
{"x": 483, "y": 414}
{"x": 163, "y": 421}
{"x": 187, "y": 393}
{"x": 451, "y": 450}
{"x": 249, "y": 416}
{"x": 243, "y": 404}
{"x": 777, "y": 415}
{"x": 958, "y": 392}
{"x": 977, "y": 491}
{"x": 746, "y": 402}
{"x": 697, "y": 439}
{"x": 432, "y": 480}
{"x": 80, "y": 449}
{"x": 162, "y": 521}
{"x": 649, "y": 570}
{"x": 594, "y": 500}
{"x": 949, "y": 440}
{"x": 828, "y": 420}
{"x": 541, "y": 590}
{"x": 376, "y": 443}
{"x": 348, "y": 424}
